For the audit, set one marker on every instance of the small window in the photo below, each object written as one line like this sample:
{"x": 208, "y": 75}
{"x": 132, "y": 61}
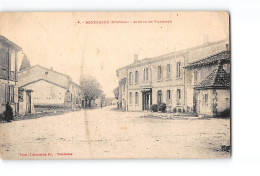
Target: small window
{"x": 130, "y": 78}
{"x": 168, "y": 71}
{"x": 12, "y": 61}
{"x": 130, "y": 98}
{"x": 168, "y": 100}
{"x": 11, "y": 94}
{"x": 136, "y": 98}
{"x": 159, "y": 73}
{"x": 144, "y": 74}
{"x": 159, "y": 96}
{"x": 46, "y": 73}
{"x": 178, "y": 96}
{"x": 147, "y": 74}
{"x": 168, "y": 94}
{"x": 136, "y": 77}
{"x": 178, "y": 70}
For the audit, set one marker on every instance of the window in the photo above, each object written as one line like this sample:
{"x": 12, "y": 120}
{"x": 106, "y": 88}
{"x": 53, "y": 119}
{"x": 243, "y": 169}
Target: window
{"x": 46, "y": 73}
{"x": 178, "y": 96}
{"x": 168, "y": 76}
{"x": 144, "y": 74}
{"x": 159, "y": 73}
{"x": 147, "y": 74}
{"x": 11, "y": 94}
{"x": 130, "y": 78}
{"x": 136, "y": 98}
{"x": 136, "y": 77}
{"x": 195, "y": 77}
{"x": 130, "y": 98}
{"x": 168, "y": 96}
{"x": 205, "y": 99}
{"x": 12, "y": 61}
{"x": 159, "y": 96}
{"x": 178, "y": 70}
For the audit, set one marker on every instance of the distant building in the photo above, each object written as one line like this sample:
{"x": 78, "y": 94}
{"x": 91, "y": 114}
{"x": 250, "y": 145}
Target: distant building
{"x": 8, "y": 74}
{"x": 51, "y": 89}
{"x": 167, "y": 79}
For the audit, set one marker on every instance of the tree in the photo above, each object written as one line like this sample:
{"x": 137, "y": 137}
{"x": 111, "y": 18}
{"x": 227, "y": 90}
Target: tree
{"x": 92, "y": 88}
{"x": 25, "y": 63}
{"x": 102, "y": 100}
{"x": 116, "y": 92}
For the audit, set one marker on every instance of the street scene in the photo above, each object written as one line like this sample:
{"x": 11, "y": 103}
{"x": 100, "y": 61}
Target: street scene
{"x": 81, "y": 94}
{"x": 109, "y": 133}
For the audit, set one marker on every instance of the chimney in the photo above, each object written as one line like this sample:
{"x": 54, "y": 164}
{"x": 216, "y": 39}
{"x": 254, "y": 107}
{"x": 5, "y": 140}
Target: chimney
{"x": 135, "y": 58}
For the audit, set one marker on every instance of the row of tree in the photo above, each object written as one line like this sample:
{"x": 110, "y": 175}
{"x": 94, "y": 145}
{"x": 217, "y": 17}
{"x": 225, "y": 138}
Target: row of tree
{"x": 92, "y": 90}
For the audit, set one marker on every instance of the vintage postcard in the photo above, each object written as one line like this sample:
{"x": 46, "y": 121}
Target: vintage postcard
{"x": 115, "y": 85}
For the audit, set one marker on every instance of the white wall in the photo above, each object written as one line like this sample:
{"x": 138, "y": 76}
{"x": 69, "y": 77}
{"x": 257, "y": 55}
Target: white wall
{"x": 47, "y": 94}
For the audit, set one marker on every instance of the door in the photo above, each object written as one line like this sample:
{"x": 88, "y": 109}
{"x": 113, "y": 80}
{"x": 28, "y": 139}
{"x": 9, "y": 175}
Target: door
{"x": 28, "y": 102}
{"x": 146, "y": 100}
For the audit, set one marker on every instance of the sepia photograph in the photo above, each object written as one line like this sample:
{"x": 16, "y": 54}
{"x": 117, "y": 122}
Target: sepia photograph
{"x": 115, "y": 85}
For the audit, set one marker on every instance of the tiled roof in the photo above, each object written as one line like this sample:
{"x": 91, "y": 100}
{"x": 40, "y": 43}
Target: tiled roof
{"x": 218, "y": 79}
{"x": 175, "y": 54}
{"x": 221, "y": 56}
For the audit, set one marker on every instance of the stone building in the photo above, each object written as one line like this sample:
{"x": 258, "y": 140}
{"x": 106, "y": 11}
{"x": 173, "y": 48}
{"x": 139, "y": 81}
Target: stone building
{"x": 8, "y": 74}
{"x": 51, "y": 89}
{"x": 164, "y": 79}
{"x": 210, "y": 83}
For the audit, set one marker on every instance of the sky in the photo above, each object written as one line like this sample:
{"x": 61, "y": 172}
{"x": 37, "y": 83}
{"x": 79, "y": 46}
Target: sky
{"x": 64, "y": 41}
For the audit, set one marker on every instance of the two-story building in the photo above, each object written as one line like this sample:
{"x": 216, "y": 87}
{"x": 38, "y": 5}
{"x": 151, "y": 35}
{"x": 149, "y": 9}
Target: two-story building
{"x": 8, "y": 74}
{"x": 51, "y": 89}
{"x": 163, "y": 79}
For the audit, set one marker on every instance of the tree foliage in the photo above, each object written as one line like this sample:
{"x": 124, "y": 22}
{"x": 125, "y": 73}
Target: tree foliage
{"x": 116, "y": 92}
{"x": 92, "y": 88}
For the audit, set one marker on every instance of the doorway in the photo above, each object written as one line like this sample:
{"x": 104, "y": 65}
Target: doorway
{"x": 147, "y": 100}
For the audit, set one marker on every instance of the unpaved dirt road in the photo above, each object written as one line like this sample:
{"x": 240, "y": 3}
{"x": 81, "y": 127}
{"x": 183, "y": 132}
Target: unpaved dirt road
{"x": 107, "y": 133}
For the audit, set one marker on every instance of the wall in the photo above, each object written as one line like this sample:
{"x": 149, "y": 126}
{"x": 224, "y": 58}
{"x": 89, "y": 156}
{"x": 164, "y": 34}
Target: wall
{"x": 184, "y": 83}
{"x": 223, "y": 100}
{"x": 37, "y": 72}
{"x": 203, "y": 108}
{"x": 22, "y": 104}
{"x": 171, "y": 83}
{"x": 202, "y": 73}
{"x": 47, "y": 94}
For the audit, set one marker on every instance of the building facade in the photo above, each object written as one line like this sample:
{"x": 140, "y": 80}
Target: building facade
{"x": 210, "y": 83}
{"x": 8, "y": 74}
{"x": 165, "y": 79}
{"x": 51, "y": 89}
